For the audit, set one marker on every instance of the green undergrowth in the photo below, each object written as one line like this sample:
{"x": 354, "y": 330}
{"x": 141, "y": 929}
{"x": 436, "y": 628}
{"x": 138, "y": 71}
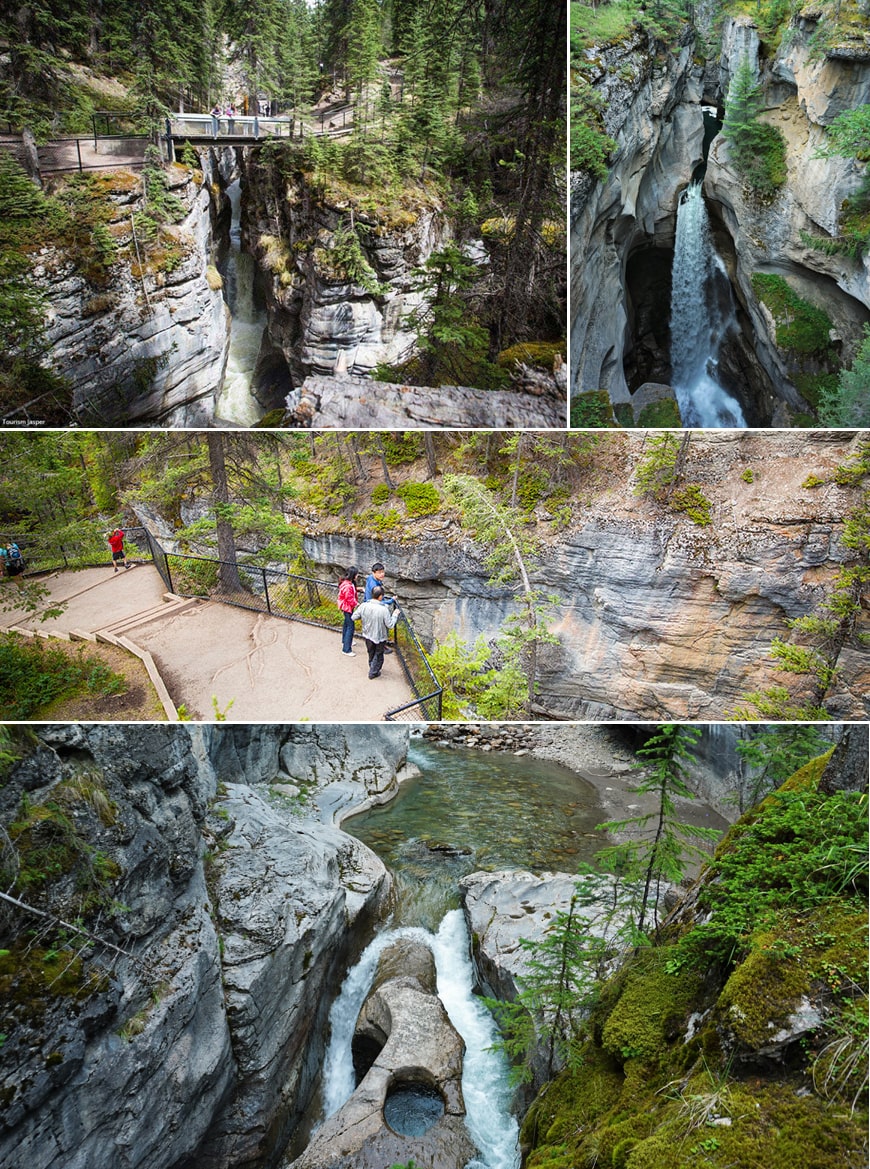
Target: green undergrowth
{"x": 354, "y": 174}
{"x": 34, "y": 674}
{"x": 661, "y": 415}
{"x": 693, "y": 1054}
{"x": 803, "y": 333}
{"x": 592, "y": 409}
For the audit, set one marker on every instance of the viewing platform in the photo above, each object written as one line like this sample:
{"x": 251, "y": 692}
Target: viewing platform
{"x": 244, "y": 129}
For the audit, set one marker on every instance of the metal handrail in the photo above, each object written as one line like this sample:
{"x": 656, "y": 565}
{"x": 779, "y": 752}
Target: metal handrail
{"x": 280, "y": 594}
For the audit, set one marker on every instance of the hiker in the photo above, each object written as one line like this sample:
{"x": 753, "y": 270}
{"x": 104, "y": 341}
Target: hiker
{"x": 378, "y": 618}
{"x": 4, "y": 561}
{"x": 347, "y": 602}
{"x": 374, "y": 580}
{"x": 216, "y": 119}
{"x": 14, "y": 559}
{"x": 116, "y": 543}
{"x": 230, "y": 112}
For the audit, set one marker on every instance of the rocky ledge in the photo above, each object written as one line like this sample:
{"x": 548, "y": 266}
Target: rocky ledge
{"x": 356, "y": 402}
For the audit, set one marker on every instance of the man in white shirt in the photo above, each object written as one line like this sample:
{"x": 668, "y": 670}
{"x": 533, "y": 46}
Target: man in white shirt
{"x": 378, "y": 618}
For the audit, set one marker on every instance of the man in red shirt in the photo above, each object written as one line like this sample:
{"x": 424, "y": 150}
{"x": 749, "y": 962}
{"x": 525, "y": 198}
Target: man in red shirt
{"x": 116, "y": 543}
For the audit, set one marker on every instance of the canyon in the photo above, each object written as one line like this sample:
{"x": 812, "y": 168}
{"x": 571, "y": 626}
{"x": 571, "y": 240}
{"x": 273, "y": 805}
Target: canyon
{"x": 662, "y": 111}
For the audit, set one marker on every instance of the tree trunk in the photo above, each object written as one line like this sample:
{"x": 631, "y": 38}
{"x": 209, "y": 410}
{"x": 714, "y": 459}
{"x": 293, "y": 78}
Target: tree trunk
{"x": 228, "y": 572}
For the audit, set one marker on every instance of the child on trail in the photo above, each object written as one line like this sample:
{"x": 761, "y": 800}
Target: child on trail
{"x": 347, "y": 602}
{"x": 116, "y": 543}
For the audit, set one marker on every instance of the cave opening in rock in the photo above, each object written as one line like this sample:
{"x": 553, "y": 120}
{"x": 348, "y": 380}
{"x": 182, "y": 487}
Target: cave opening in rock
{"x": 365, "y": 1049}
{"x": 412, "y": 1107}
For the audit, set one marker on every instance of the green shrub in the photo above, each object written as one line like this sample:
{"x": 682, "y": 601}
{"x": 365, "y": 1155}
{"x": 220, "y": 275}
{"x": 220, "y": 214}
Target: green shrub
{"x": 33, "y": 674}
{"x": 381, "y": 493}
{"x": 662, "y": 415}
{"x": 801, "y": 328}
{"x": 420, "y": 499}
{"x": 592, "y": 409}
{"x": 692, "y": 500}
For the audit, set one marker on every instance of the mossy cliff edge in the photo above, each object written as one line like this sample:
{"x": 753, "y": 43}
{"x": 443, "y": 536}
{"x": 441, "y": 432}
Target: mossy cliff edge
{"x": 740, "y": 1037}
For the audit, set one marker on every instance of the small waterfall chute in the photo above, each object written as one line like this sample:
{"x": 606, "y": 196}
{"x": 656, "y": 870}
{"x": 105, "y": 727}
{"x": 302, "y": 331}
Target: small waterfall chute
{"x": 235, "y": 401}
{"x": 698, "y": 322}
{"x": 485, "y": 1077}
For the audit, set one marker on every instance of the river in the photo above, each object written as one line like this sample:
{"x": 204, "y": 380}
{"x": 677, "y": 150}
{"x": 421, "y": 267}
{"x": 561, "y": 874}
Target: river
{"x": 235, "y": 402}
{"x": 466, "y": 810}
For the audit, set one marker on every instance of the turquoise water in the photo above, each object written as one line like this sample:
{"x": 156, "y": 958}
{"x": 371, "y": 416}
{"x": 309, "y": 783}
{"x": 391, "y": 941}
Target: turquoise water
{"x": 472, "y": 810}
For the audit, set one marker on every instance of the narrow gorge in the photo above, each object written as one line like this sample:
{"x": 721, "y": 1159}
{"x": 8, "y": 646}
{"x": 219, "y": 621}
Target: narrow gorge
{"x": 777, "y": 280}
{"x": 201, "y": 968}
{"x": 187, "y": 250}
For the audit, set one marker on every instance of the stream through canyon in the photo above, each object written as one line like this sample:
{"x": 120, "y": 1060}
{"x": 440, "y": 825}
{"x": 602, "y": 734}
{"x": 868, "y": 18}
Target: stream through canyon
{"x": 236, "y": 403}
{"x": 465, "y": 810}
{"x": 702, "y": 314}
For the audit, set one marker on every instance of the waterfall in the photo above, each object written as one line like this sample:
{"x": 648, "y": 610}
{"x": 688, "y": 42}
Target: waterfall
{"x": 338, "y": 1073}
{"x": 235, "y": 401}
{"x": 698, "y": 320}
{"x": 485, "y": 1084}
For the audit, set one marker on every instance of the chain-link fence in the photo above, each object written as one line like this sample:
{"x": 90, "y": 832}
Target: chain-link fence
{"x": 88, "y": 549}
{"x": 427, "y": 692}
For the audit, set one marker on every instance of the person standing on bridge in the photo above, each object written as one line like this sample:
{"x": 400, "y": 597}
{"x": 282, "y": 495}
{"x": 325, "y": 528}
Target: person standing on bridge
{"x": 347, "y": 602}
{"x": 216, "y": 119}
{"x": 116, "y": 543}
{"x": 378, "y": 618}
{"x": 230, "y": 112}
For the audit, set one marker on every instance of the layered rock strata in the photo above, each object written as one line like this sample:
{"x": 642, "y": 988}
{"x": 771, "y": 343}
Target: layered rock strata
{"x": 656, "y": 616}
{"x": 143, "y": 347}
{"x": 321, "y": 320}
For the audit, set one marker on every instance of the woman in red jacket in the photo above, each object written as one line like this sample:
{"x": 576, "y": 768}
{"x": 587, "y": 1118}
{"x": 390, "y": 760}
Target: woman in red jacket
{"x": 347, "y": 604}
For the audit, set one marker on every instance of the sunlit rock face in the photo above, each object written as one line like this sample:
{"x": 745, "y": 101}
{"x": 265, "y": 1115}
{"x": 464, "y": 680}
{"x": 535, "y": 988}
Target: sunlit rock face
{"x": 655, "y": 615}
{"x": 144, "y": 346}
{"x": 322, "y": 322}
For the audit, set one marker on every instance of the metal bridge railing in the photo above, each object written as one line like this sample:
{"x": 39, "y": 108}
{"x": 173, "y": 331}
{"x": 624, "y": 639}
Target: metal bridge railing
{"x": 259, "y": 589}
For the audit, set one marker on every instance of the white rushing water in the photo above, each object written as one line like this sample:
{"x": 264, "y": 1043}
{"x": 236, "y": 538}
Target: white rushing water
{"x": 484, "y": 1071}
{"x": 485, "y": 1083}
{"x": 697, "y": 324}
{"x": 235, "y": 401}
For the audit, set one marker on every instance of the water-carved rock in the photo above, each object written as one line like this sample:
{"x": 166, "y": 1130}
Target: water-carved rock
{"x": 414, "y": 1079}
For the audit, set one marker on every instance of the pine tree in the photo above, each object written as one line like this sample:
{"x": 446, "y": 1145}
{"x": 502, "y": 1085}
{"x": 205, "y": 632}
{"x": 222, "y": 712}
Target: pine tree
{"x": 662, "y": 858}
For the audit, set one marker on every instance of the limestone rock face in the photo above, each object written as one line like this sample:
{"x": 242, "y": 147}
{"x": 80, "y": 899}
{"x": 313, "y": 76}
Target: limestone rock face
{"x": 353, "y": 402}
{"x": 322, "y": 322}
{"x": 804, "y": 93}
{"x": 76, "y": 1086}
{"x": 287, "y": 897}
{"x": 654, "y": 114}
{"x": 504, "y": 907}
{"x": 620, "y": 294}
{"x": 202, "y": 1041}
{"x": 418, "y": 1046}
{"x": 134, "y": 349}
{"x": 656, "y": 616}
